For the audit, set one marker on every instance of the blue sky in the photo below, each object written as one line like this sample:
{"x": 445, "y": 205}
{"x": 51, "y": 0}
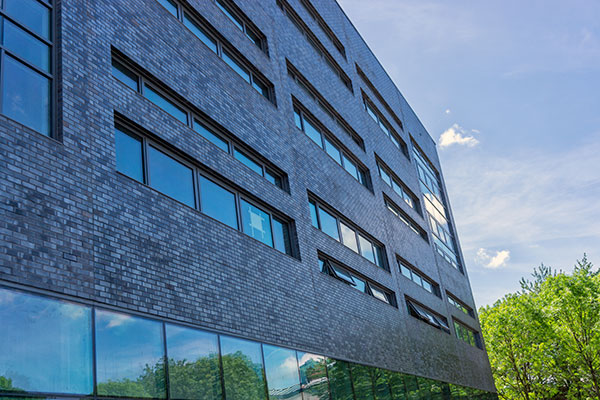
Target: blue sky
{"x": 510, "y": 91}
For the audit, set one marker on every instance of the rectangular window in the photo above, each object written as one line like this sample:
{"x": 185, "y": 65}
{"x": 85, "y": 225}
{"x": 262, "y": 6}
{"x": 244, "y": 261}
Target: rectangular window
{"x": 384, "y": 125}
{"x": 225, "y": 50}
{"x": 315, "y": 43}
{"x": 340, "y": 383}
{"x": 166, "y": 104}
{"x": 313, "y": 376}
{"x": 170, "y": 5}
{"x": 460, "y": 305}
{"x": 326, "y": 29}
{"x": 175, "y": 178}
{"x": 411, "y": 223}
{"x": 329, "y": 223}
{"x": 317, "y": 132}
{"x": 199, "y": 123}
{"x": 466, "y": 334}
{"x": 435, "y": 206}
{"x": 324, "y": 104}
{"x": 281, "y": 370}
{"x": 419, "y": 278}
{"x": 242, "y": 369}
{"x": 398, "y": 186}
{"x": 27, "y": 75}
{"x": 333, "y": 268}
{"x": 233, "y": 12}
{"x": 426, "y": 315}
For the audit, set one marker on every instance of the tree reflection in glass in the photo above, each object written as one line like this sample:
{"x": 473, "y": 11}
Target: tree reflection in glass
{"x": 361, "y": 380}
{"x": 313, "y": 376}
{"x": 193, "y": 363}
{"x": 242, "y": 369}
{"x": 129, "y": 356}
{"x": 45, "y": 344}
{"x": 281, "y": 367}
{"x": 339, "y": 380}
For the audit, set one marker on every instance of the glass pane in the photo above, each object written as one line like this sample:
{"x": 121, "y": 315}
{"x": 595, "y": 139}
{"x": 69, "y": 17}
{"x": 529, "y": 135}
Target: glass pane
{"x": 218, "y": 203}
{"x": 170, "y": 177}
{"x": 281, "y": 236}
{"x": 366, "y": 249}
{"x": 242, "y": 369}
{"x": 349, "y": 237}
{"x": 125, "y": 76}
{"x": 385, "y": 176}
{"x": 427, "y": 286}
{"x": 312, "y": 132}
{"x": 417, "y": 279}
{"x": 360, "y": 285}
{"x": 26, "y": 46}
{"x": 343, "y": 274}
{"x": 129, "y": 356}
{"x": 26, "y": 96}
{"x": 273, "y": 178}
{"x": 384, "y": 128}
{"x": 256, "y": 223}
{"x": 381, "y": 385}
{"x": 339, "y": 380}
{"x": 200, "y": 33}
{"x": 313, "y": 214}
{"x": 31, "y": 14}
{"x": 412, "y": 390}
{"x": 165, "y": 104}
{"x": 211, "y": 137}
{"x": 260, "y": 87}
{"x": 254, "y": 38}
{"x": 297, "y": 120}
{"x": 361, "y": 379}
{"x": 169, "y": 5}
{"x": 380, "y": 257}
{"x": 332, "y": 150}
{"x": 236, "y": 21}
{"x": 243, "y": 72}
{"x": 379, "y": 294}
{"x": 129, "y": 155}
{"x": 350, "y": 167}
{"x": 329, "y": 224}
{"x": 45, "y": 344}
{"x": 248, "y": 162}
{"x": 396, "y": 385}
{"x": 313, "y": 376}
{"x": 194, "y": 371}
{"x": 281, "y": 367}
{"x": 405, "y": 271}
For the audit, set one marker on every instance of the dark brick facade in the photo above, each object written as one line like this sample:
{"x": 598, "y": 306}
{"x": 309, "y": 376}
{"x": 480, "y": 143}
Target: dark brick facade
{"x": 70, "y": 224}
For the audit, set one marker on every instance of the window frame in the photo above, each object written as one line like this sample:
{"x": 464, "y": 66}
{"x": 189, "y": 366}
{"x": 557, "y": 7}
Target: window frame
{"x": 363, "y": 174}
{"x": 222, "y": 45}
{"x": 54, "y": 126}
{"x": 435, "y": 287}
{"x": 405, "y": 218}
{"x": 460, "y": 305}
{"x": 375, "y": 244}
{"x": 326, "y": 29}
{"x": 194, "y": 117}
{"x": 329, "y": 266}
{"x": 382, "y": 167}
{"x": 475, "y": 334}
{"x": 198, "y": 171}
{"x": 228, "y": 6}
{"x": 371, "y": 108}
{"x": 424, "y": 314}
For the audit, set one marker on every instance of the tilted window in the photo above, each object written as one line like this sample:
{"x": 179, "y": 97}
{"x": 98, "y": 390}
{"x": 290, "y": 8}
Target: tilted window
{"x": 424, "y": 314}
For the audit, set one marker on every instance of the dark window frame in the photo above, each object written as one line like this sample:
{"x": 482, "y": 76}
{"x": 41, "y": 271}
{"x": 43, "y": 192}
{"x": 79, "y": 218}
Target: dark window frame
{"x": 460, "y": 305}
{"x": 391, "y": 132}
{"x": 326, "y": 29}
{"x": 195, "y": 116}
{"x": 362, "y": 170}
{"x": 377, "y": 94}
{"x": 405, "y": 218}
{"x": 198, "y": 170}
{"x": 312, "y": 92}
{"x": 357, "y": 231}
{"x": 416, "y": 309}
{"x": 369, "y": 283}
{"x": 414, "y": 270}
{"x": 54, "y": 125}
{"x": 315, "y": 43}
{"x": 222, "y": 45}
{"x": 476, "y": 335}
{"x": 247, "y": 24}
{"x": 416, "y": 203}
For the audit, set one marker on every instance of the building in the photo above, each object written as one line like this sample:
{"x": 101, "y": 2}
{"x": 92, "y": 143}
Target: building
{"x": 234, "y": 186}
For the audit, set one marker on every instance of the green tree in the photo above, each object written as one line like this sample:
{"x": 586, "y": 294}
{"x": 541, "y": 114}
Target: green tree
{"x": 544, "y": 341}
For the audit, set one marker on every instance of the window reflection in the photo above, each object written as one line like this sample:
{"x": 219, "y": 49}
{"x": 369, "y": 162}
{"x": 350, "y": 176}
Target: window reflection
{"x": 256, "y": 223}
{"x": 129, "y": 356}
{"x": 380, "y": 384}
{"x": 165, "y": 104}
{"x": 281, "y": 368}
{"x": 218, "y": 203}
{"x": 339, "y": 380}
{"x": 329, "y": 224}
{"x": 242, "y": 369}
{"x": 171, "y": 177}
{"x": 30, "y": 13}
{"x": 361, "y": 380}
{"x": 129, "y": 155}
{"x": 194, "y": 371}
{"x": 313, "y": 376}
{"x": 45, "y": 344}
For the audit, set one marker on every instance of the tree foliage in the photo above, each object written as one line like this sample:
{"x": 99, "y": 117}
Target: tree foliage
{"x": 544, "y": 341}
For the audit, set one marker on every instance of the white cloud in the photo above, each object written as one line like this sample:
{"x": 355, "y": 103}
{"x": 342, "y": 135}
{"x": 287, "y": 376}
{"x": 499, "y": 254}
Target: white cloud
{"x": 498, "y": 260}
{"x": 118, "y": 320}
{"x": 457, "y": 135}
{"x": 447, "y": 111}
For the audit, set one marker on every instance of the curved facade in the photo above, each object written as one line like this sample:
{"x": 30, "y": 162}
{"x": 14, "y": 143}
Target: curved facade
{"x": 209, "y": 199}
